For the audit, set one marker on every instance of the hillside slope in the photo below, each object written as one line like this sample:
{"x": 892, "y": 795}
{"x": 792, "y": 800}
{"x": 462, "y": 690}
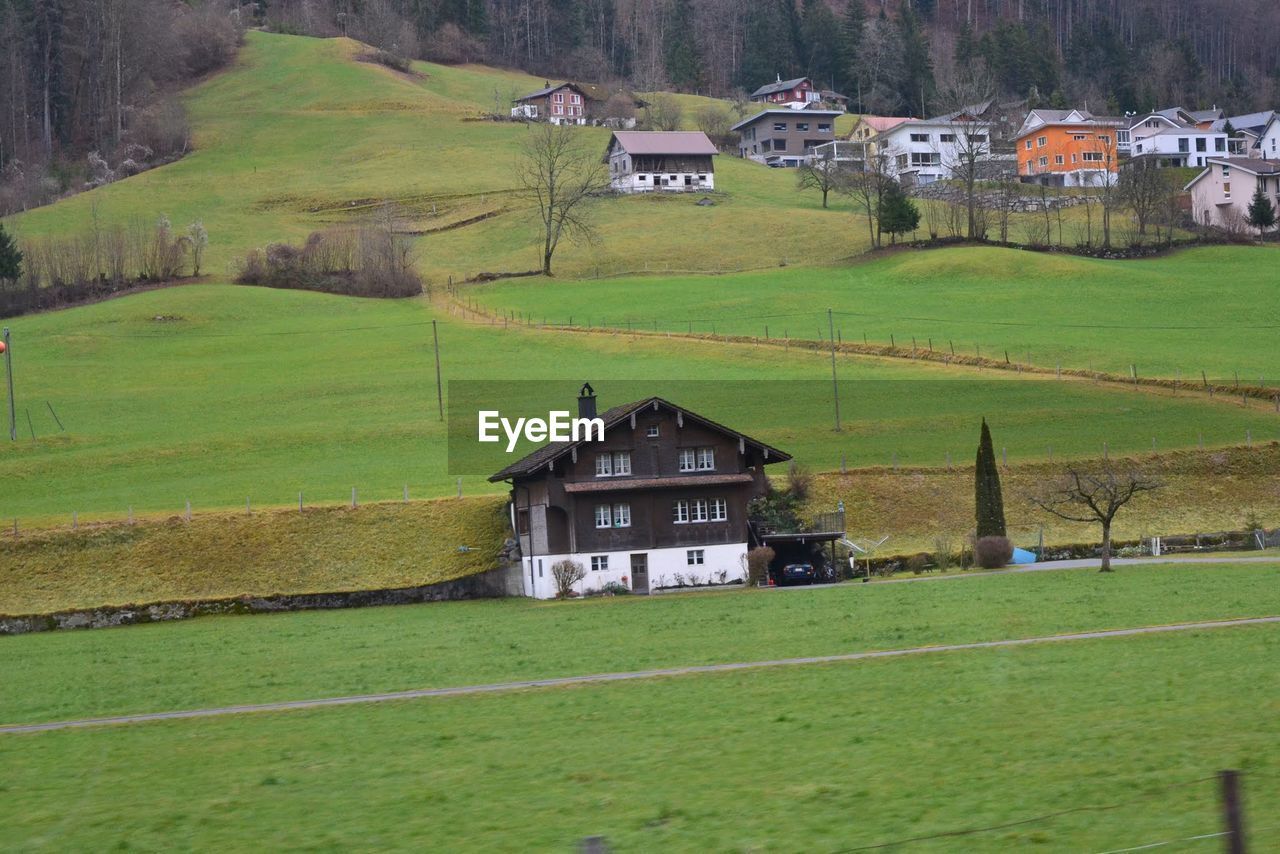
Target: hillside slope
{"x": 300, "y": 132}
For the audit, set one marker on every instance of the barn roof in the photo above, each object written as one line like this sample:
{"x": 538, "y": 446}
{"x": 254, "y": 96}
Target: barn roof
{"x": 677, "y": 142}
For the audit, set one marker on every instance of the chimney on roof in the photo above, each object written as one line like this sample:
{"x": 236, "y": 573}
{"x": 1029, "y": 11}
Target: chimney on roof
{"x": 586, "y": 401}
{"x": 778, "y": 78}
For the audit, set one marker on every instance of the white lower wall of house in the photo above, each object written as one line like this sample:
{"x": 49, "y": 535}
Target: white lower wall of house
{"x": 664, "y": 565}
{"x": 631, "y": 183}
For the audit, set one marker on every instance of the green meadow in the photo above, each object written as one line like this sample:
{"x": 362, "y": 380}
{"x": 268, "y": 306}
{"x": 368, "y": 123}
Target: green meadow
{"x": 1098, "y": 744}
{"x": 265, "y": 658}
{"x": 1209, "y": 310}
{"x": 215, "y": 394}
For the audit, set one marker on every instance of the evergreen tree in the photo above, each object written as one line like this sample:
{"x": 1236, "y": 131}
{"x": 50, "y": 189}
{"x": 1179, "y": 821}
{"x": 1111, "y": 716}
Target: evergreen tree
{"x": 821, "y": 41}
{"x": 988, "y": 500}
{"x": 898, "y": 214}
{"x": 966, "y": 48}
{"x": 769, "y": 45}
{"x": 1262, "y": 214}
{"x": 10, "y": 257}
{"x": 852, "y": 27}
{"x": 916, "y": 84}
{"x": 683, "y": 61}
{"x": 1229, "y": 129}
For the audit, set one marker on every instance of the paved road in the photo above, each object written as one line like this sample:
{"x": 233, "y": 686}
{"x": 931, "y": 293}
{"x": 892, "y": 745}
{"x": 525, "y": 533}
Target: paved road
{"x": 1086, "y": 563}
{"x": 627, "y": 676}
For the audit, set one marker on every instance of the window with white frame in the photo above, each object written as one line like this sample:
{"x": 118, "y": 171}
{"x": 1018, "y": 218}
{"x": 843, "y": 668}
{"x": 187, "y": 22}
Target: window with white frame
{"x": 558, "y": 98}
{"x": 1093, "y": 157}
{"x": 947, "y": 137}
{"x": 622, "y": 515}
{"x": 614, "y": 464}
{"x": 706, "y": 459}
{"x": 575, "y": 99}
{"x": 680, "y": 512}
{"x": 688, "y": 459}
{"x": 599, "y": 563}
{"x": 698, "y": 510}
{"x": 604, "y": 516}
{"x": 1044, "y": 161}
{"x": 653, "y": 432}
{"x": 695, "y": 557}
{"x": 1042, "y": 141}
{"x": 1028, "y": 145}
{"x": 719, "y": 510}
{"x": 919, "y": 137}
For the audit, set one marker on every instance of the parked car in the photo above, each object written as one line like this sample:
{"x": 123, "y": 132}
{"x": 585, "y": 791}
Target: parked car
{"x": 797, "y": 573}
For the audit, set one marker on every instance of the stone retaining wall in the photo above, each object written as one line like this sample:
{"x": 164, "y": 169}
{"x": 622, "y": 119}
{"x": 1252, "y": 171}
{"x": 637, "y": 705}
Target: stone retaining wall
{"x": 486, "y": 585}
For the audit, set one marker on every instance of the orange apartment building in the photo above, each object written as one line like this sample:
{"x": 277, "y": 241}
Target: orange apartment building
{"x": 1071, "y": 148}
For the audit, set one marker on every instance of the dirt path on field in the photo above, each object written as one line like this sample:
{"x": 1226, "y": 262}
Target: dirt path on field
{"x": 626, "y": 676}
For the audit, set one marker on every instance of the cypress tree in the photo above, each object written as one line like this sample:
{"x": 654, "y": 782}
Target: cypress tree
{"x": 987, "y": 498}
{"x": 10, "y": 257}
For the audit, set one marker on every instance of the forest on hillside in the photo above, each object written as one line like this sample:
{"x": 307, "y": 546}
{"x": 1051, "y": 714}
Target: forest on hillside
{"x": 87, "y": 86}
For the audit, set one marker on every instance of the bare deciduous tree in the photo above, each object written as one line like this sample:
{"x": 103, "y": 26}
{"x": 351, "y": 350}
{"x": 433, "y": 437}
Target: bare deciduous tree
{"x": 560, "y": 175}
{"x": 664, "y": 112}
{"x": 1142, "y": 189}
{"x": 566, "y": 574}
{"x": 822, "y": 175}
{"x": 970, "y": 149}
{"x": 866, "y": 188}
{"x": 1095, "y": 495}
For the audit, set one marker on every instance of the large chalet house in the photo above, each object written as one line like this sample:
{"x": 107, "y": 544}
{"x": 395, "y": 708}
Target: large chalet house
{"x": 1176, "y": 138}
{"x": 563, "y": 103}
{"x": 1246, "y": 132}
{"x": 663, "y": 161}
{"x": 785, "y": 137}
{"x": 1220, "y": 195}
{"x": 664, "y": 493}
{"x": 1071, "y": 148}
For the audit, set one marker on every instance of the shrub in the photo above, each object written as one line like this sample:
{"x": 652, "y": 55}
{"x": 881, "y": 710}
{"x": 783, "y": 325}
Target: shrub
{"x": 993, "y": 552}
{"x": 371, "y": 261}
{"x": 758, "y": 560}
{"x": 918, "y": 563}
{"x": 615, "y": 588}
{"x": 566, "y": 574}
{"x": 942, "y": 551}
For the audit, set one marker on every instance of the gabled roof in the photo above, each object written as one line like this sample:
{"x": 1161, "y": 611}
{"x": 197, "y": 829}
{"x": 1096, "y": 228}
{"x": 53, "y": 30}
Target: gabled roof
{"x": 1039, "y": 118}
{"x": 552, "y": 451}
{"x": 971, "y": 111}
{"x": 1199, "y": 116}
{"x": 549, "y": 88}
{"x": 1252, "y": 123}
{"x": 763, "y": 113}
{"x": 779, "y": 86}
{"x": 881, "y": 123}
{"x": 1253, "y": 165}
{"x": 675, "y": 142}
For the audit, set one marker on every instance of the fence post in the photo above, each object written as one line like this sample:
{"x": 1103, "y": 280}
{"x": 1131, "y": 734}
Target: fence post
{"x": 188, "y": 509}
{"x": 248, "y": 510}
{"x": 75, "y": 521}
{"x": 353, "y": 497}
{"x": 299, "y": 501}
{"x": 406, "y": 493}
{"x": 1232, "y": 811}
{"x": 459, "y": 487}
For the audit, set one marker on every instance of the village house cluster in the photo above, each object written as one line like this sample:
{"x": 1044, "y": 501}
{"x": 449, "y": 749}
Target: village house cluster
{"x": 795, "y": 125}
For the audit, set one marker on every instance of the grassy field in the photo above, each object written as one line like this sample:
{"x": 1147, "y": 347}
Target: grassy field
{"x": 1203, "y": 492}
{"x": 298, "y": 133}
{"x": 218, "y": 393}
{"x": 227, "y": 555}
{"x": 263, "y": 658}
{"x": 820, "y": 757}
{"x": 1199, "y": 310}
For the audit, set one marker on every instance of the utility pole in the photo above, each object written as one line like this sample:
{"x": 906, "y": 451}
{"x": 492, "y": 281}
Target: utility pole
{"x": 835, "y": 385}
{"x": 435, "y": 335}
{"x": 7, "y": 348}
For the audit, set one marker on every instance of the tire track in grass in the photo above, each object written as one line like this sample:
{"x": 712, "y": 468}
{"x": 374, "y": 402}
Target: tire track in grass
{"x": 625, "y": 676}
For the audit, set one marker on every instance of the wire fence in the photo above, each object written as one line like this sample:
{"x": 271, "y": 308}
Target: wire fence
{"x": 1226, "y": 787}
{"x": 805, "y": 329}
